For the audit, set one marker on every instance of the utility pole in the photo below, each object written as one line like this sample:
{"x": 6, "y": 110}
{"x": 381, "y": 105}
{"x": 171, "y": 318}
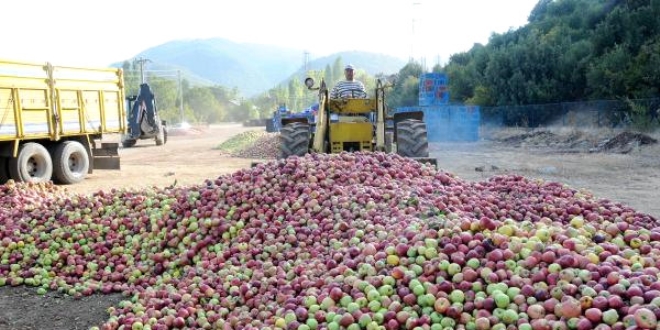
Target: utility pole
{"x": 180, "y": 95}
{"x": 142, "y": 61}
{"x": 306, "y": 61}
{"x": 415, "y": 5}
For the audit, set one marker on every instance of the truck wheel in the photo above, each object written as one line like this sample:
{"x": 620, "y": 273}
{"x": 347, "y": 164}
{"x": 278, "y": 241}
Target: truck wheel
{"x": 33, "y": 164}
{"x": 294, "y": 140}
{"x": 412, "y": 139}
{"x": 4, "y": 170}
{"x": 70, "y": 162}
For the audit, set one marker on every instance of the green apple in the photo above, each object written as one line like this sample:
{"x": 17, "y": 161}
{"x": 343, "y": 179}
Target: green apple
{"x": 610, "y": 316}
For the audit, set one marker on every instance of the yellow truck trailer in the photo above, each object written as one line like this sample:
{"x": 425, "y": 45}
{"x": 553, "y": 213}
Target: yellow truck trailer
{"x": 53, "y": 119}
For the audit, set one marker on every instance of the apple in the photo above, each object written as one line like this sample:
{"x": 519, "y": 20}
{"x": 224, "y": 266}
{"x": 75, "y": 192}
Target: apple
{"x": 645, "y": 318}
{"x": 482, "y": 323}
{"x": 610, "y": 316}
{"x": 441, "y": 305}
{"x": 594, "y": 315}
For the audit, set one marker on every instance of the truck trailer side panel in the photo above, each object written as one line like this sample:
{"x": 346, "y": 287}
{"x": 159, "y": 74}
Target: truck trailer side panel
{"x": 50, "y": 105}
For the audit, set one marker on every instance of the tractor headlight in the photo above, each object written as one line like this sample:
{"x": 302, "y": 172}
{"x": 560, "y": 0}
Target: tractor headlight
{"x": 309, "y": 82}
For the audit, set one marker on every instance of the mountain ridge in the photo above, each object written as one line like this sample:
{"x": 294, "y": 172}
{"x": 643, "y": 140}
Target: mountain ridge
{"x": 251, "y": 68}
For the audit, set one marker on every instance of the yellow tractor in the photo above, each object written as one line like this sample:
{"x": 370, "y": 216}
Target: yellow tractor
{"x": 356, "y": 124}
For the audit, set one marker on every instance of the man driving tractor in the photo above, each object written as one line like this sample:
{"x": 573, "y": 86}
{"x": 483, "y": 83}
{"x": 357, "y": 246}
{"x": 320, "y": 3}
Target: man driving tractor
{"x": 349, "y": 88}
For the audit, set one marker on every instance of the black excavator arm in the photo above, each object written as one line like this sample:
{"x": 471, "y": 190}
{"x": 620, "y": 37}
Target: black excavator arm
{"x": 143, "y": 108}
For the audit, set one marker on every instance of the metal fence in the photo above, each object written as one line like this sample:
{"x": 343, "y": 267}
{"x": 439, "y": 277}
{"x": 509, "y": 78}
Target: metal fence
{"x": 449, "y": 122}
{"x": 600, "y": 113}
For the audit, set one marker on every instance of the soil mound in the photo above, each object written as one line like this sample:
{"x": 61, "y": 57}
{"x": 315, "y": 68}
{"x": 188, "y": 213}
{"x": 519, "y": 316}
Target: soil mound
{"x": 579, "y": 141}
{"x": 566, "y": 141}
{"x": 530, "y": 137}
{"x": 624, "y": 143}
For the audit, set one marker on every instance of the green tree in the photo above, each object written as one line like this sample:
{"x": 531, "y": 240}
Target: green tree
{"x": 406, "y": 90}
{"x": 204, "y": 104}
{"x": 570, "y": 50}
{"x": 607, "y": 77}
{"x": 329, "y": 74}
{"x": 539, "y": 11}
{"x": 131, "y": 78}
{"x": 165, "y": 92}
{"x": 337, "y": 71}
{"x": 296, "y": 90}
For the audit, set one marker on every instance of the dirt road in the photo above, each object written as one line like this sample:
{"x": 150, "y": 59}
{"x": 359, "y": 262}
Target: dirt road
{"x": 632, "y": 179}
{"x": 187, "y": 158}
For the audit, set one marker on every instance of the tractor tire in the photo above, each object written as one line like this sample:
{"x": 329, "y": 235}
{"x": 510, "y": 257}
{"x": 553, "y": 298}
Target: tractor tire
{"x": 70, "y": 162}
{"x": 128, "y": 143}
{"x": 160, "y": 137}
{"x": 412, "y": 139}
{"x": 4, "y": 170}
{"x": 294, "y": 140}
{"x": 33, "y": 164}
{"x": 389, "y": 139}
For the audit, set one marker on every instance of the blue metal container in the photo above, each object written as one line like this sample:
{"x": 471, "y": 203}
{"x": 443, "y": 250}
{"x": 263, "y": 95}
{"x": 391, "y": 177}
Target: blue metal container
{"x": 449, "y": 123}
{"x": 433, "y": 89}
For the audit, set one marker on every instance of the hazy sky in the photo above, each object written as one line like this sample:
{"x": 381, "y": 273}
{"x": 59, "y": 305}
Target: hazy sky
{"x": 98, "y": 33}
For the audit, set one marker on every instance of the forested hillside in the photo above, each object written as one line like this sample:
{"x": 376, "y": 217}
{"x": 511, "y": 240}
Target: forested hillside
{"x": 570, "y": 50}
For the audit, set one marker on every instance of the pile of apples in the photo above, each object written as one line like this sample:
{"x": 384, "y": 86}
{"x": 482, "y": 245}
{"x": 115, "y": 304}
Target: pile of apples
{"x": 344, "y": 241}
{"x": 252, "y": 144}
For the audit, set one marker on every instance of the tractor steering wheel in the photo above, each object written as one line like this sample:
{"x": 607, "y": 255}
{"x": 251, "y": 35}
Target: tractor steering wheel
{"x": 353, "y": 94}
